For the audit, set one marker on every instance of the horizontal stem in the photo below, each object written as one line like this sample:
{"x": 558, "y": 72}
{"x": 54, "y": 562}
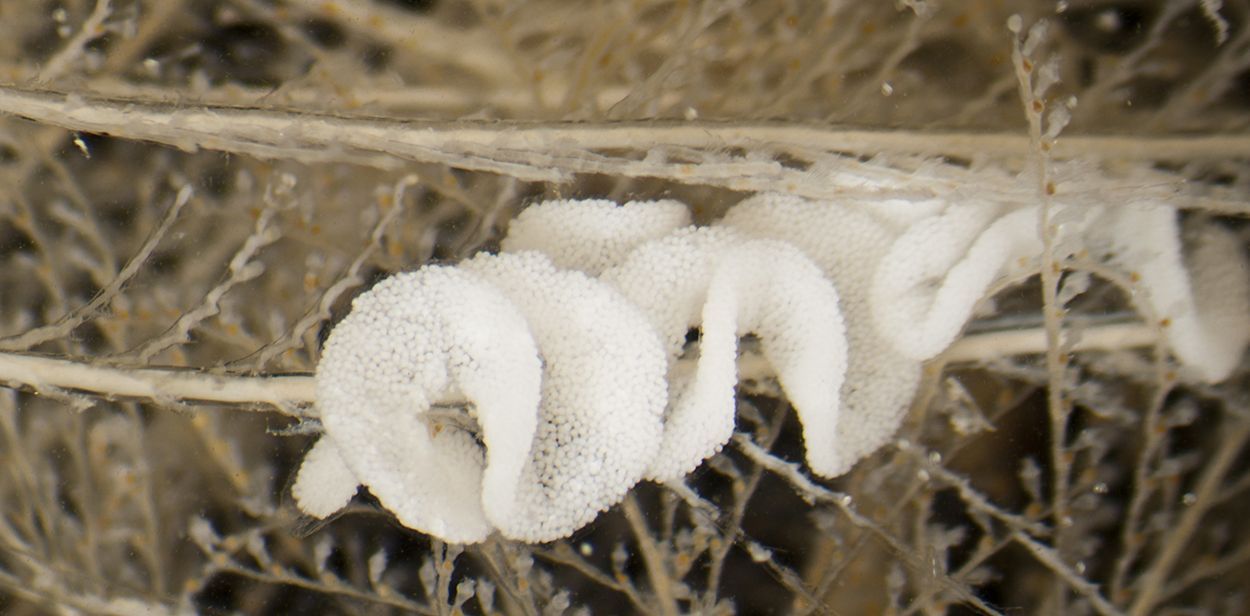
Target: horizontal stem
{"x": 427, "y": 99}
{"x": 38, "y": 373}
{"x": 554, "y": 152}
{"x": 78, "y": 112}
{"x": 293, "y": 393}
{"x": 1010, "y": 343}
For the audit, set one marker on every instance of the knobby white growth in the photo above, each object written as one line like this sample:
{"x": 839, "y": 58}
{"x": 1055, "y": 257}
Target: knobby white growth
{"x": 570, "y": 347}
{"x": 1205, "y": 307}
{"x": 409, "y": 341}
{"x": 846, "y": 240}
{"x": 592, "y": 235}
{"x": 930, "y": 282}
{"x": 933, "y": 276}
{"x": 729, "y": 285}
{"x": 603, "y": 391}
{"x": 540, "y": 471}
{"x": 324, "y": 483}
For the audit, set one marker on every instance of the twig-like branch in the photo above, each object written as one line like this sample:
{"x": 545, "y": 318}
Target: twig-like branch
{"x": 1154, "y": 439}
{"x": 971, "y": 497}
{"x": 65, "y": 325}
{"x": 92, "y": 28}
{"x": 420, "y": 99}
{"x": 243, "y": 267}
{"x": 1205, "y": 570}
{"x": 1152, "y": 582}
{"x": 561, "y": 554}
{"x": 349, "y": 280}
{"x": 657, "y": 563}
{"x": 292, "y": 393}
{"x": 744, "y": 489}
{"x": 554, "y": 152}
{"x": 1051, "y": 559}
{"x": 286, "y": 393}
{"x": 815, "y": 493}
{"x": 1033, "y": 84}
{"x": 1010, "y": 343}
{"x": 514, "y": 584}
{"x": 421, "y": 37}
{"x": 47, "y": 592}
{"x": 328, "y": 586}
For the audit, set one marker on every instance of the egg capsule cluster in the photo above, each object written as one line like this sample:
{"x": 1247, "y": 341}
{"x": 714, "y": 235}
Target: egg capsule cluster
{"x": 567, "y": 357}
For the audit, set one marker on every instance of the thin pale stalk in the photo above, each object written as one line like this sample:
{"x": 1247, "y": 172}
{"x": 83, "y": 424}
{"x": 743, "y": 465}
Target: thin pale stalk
{"x": 655, "y": 559}
{"x": 1152, "y": 583}
{"x": 292, "y": 393}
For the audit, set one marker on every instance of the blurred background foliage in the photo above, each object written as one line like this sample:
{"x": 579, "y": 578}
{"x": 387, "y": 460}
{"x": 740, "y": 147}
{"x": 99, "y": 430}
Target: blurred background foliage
{"x": 123, "y": 506}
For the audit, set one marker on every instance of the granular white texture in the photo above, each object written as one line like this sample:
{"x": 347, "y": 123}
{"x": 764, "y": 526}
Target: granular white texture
{"x": 929, "y": 283}
{"x": 592, "y": 235}
{"x": 931, "y": 279}
{"x": 730, "y": 285}
{"x": 603, "y": 394}
{"x": 574, "y": 383}
{"x": 323, "y": 484}
{"x": 412, "y": 339}
{"x": 847, "y": 241}
{"x": 1204, "y": 308}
